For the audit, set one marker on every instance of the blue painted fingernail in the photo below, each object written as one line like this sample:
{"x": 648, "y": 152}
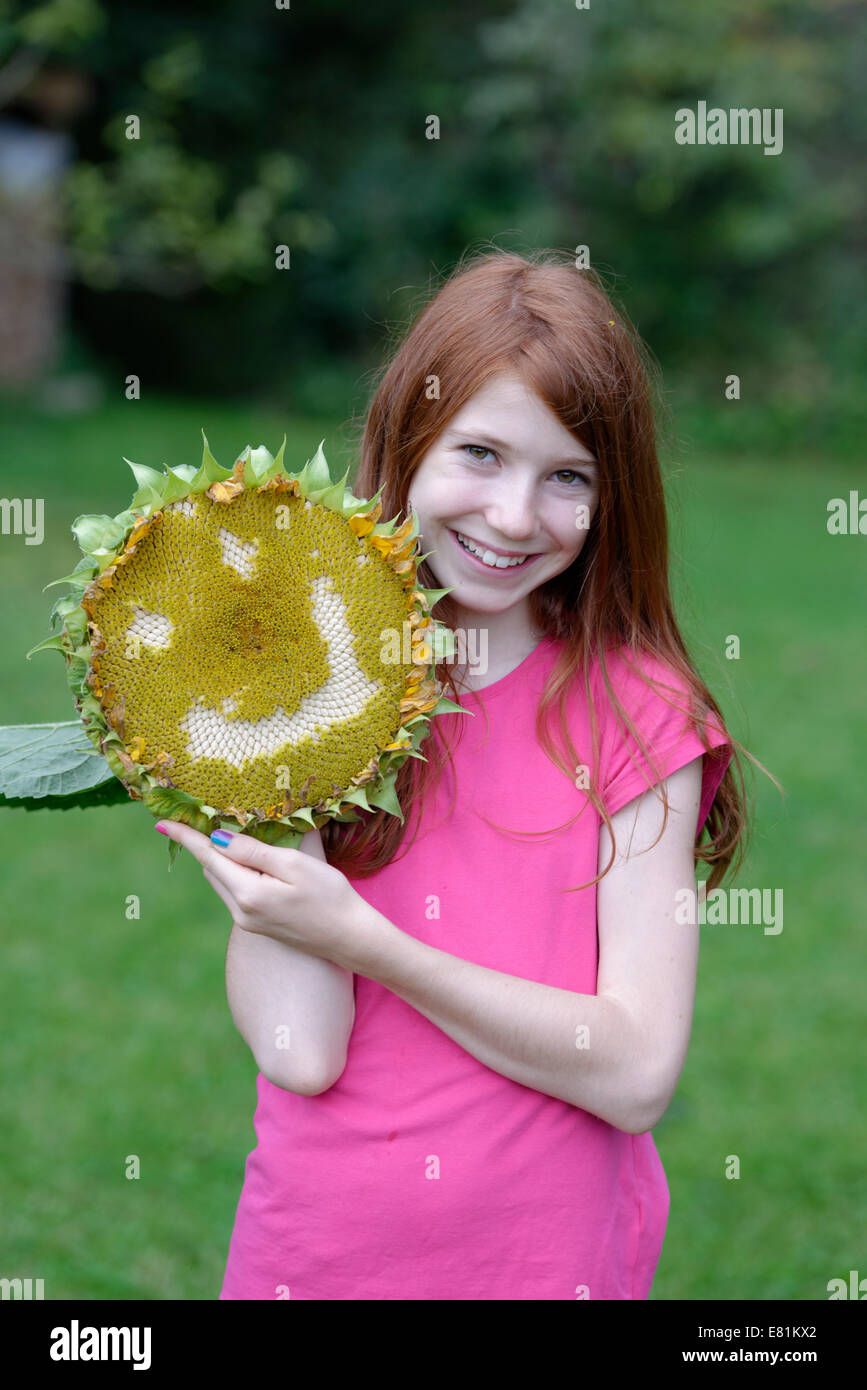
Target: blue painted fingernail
{"x": 221, "y": 837}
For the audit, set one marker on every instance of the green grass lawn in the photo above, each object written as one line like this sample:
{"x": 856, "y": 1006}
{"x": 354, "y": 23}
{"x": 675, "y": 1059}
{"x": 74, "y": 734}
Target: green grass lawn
{"x": 118, "y": 1038}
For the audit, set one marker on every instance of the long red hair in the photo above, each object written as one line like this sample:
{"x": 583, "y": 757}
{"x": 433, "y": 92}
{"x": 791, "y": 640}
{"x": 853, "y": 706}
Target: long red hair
{"x": 556, "y": 325}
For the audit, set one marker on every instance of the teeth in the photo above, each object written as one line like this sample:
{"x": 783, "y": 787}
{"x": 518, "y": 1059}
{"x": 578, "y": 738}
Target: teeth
{"x": 500, "y": 562}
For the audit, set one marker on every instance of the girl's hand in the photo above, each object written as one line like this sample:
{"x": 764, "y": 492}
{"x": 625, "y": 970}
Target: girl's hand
{"x": 291, "y": 895}
{"x": 311, "y": 843}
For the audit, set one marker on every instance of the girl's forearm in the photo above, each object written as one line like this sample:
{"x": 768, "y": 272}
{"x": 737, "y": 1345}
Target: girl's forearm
{"x": 295, "y": 1011}
{"x": 581, "y": 1048}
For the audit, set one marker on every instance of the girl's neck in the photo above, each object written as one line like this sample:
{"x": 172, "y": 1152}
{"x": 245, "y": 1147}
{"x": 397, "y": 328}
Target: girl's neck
{"x": 491, "y": 645}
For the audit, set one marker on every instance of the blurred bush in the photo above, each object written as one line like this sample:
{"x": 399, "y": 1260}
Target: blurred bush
{"x": 306, "y": 127}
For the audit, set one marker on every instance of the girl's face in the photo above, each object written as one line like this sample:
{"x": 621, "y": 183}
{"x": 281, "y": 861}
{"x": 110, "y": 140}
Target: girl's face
{"x": 508, "y": 477}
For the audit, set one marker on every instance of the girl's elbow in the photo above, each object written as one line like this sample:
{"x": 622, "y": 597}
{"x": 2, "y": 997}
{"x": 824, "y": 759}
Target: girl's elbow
{"x": 301, "y": 1081}
{"x": 637, "y": 1103}
{"x": 641, "y": 1121}
{"x": 642, "y": 1124}
{"x": 654, "y": 1102}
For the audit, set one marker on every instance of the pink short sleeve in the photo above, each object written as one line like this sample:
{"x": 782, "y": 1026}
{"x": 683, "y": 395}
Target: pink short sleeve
{"x": 660, "y": 715}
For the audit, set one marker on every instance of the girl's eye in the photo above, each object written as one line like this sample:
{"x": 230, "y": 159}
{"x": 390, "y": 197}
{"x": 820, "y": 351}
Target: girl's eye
{"x": 575, "y": 478}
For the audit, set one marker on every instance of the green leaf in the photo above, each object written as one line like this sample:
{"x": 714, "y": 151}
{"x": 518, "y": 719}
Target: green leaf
{"x": 210, "y": 471}
{"x": 177, "y": 484}
{"x": 170, "y": 803}
{"x": 316, "y": 471}
{"x": 443, "y": 643}
{"x": 276, "y": 832}
{"x": 97, "y": 533}
{"x": 50, "y": 644}
{"x": 76, "y": 626}
{"x": 50, "y": 760}
{"x": 76, "y": 670}
{"x": 148, "y": 500}
{"x": 111, "y": 793}
{"x": 385, "y": 797}
{"x": 446, "y": 706}
{"x": 332, "y": 497}
{"x": 360, "y": 504}
{"x": 66, "y": 604}
{"x": 150, "y": 485}
{"x": 346, "y": 816}
{"x": 80, "y": 577}
{"x": 146, "y": 477}
{"x": 213, "y": 469}
{"x": 278, "y": 457}
{"x": 356, "y": 797}
{"x": 261, "y": 462}
{"x": 433, "y": 595}
{"x": 185, "y": 471}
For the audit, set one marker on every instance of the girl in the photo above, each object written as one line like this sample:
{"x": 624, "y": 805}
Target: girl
{"x": 486, "y": 1025}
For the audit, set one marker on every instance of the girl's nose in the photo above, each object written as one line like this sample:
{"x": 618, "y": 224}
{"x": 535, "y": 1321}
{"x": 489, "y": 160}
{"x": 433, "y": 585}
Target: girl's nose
{"x": 511, "y": 510}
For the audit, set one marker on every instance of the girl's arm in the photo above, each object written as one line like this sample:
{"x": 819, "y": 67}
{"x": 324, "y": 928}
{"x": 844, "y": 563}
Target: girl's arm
{"x": 624, "y": 1063}
{"x": 278, "y": 995}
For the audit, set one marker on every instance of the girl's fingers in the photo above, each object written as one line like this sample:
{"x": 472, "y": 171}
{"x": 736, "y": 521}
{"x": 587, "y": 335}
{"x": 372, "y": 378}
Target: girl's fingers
{"x": 193, "y": 840}
{"x": 208, "y": 854}
{"x": 311, "y": 843}
{"x": 243, "y": 852}
{"x": 222, "y": 892}
{"x": 275, "y": 861}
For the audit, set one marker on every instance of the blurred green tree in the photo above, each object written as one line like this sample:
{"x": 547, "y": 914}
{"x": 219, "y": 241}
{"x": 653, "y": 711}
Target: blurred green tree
{"x": 309, "y": 127}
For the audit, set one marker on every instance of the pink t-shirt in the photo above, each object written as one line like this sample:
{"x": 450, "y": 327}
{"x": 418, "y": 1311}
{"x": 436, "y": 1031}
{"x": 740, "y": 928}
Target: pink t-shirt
{"x": 422, "y": 1173}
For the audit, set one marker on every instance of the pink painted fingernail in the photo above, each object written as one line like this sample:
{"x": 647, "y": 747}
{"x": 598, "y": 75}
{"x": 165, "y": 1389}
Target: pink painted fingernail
{"x": 161, "y": 828}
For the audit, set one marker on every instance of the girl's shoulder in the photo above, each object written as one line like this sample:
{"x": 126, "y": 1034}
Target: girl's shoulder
{"x": 631, "y": 675}
{"x": 651, "y": 719}
{"x": 659, "y": 700}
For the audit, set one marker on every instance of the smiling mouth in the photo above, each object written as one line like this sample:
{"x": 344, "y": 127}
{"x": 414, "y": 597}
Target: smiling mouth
{"x": 491, "y": 559}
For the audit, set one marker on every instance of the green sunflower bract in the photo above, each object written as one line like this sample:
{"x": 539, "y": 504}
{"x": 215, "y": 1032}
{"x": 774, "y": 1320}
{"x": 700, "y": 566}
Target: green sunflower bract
{"x": 248, "y": 648}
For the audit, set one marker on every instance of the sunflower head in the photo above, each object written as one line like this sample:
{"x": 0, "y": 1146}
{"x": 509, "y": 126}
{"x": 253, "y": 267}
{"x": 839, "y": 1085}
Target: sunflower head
{"x": 249, "y": 647}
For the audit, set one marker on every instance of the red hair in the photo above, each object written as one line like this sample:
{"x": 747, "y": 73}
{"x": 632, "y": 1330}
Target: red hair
{"x": 556, "y": 326}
